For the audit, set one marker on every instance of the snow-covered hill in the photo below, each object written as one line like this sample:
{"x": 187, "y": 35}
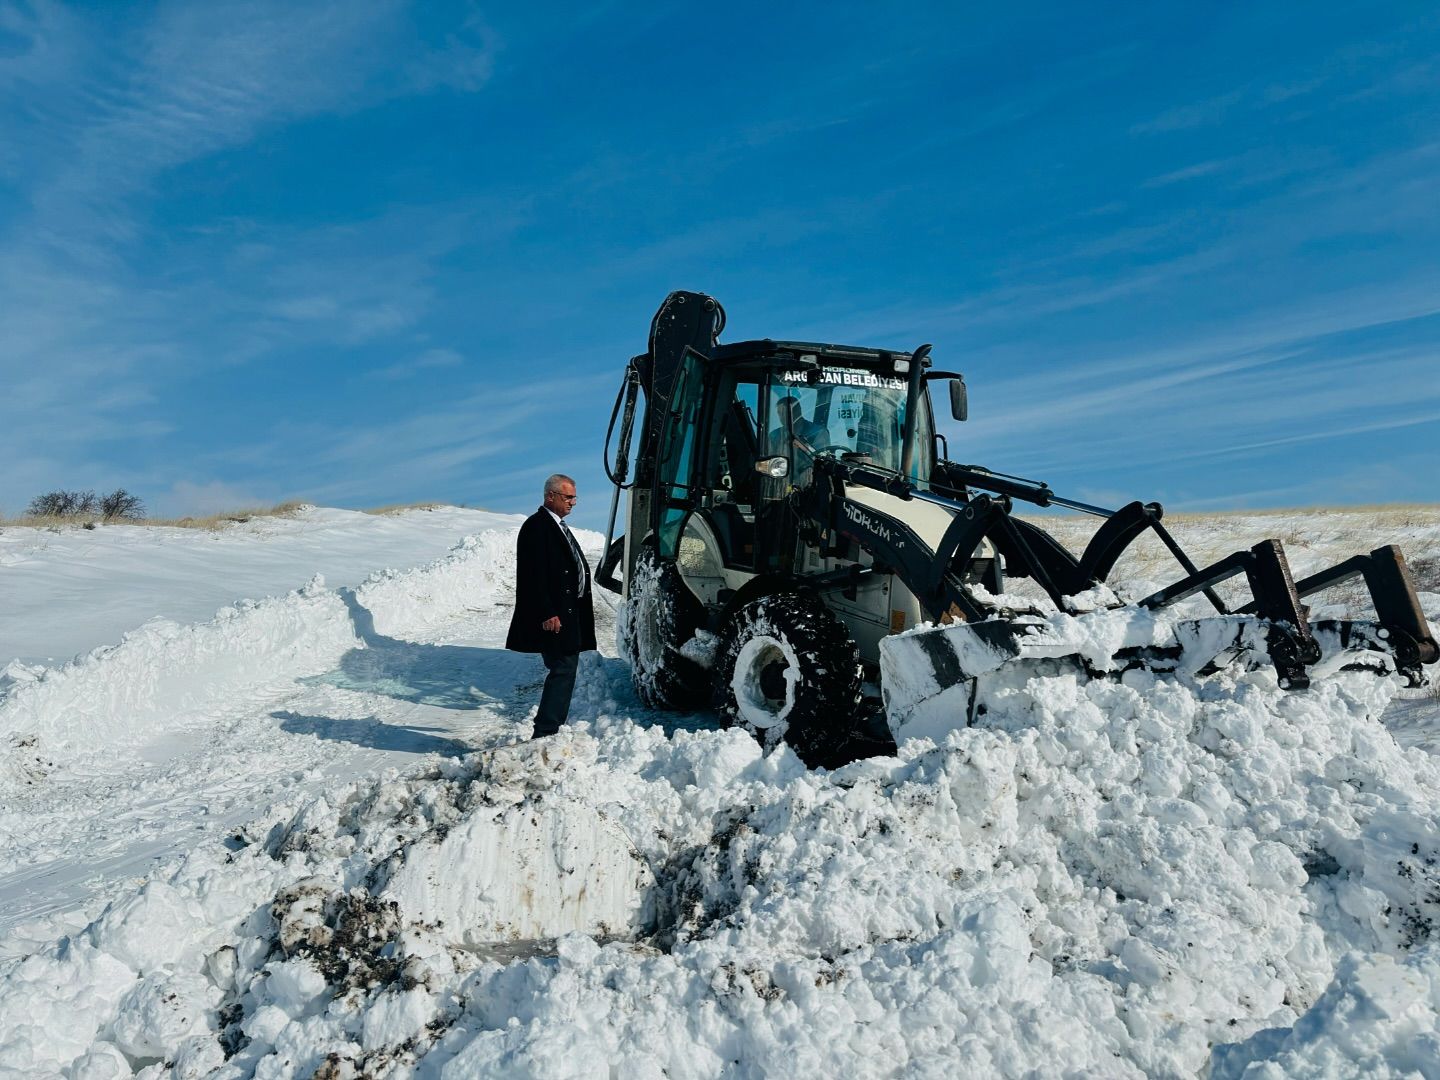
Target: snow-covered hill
{"x": 299, "y": 838}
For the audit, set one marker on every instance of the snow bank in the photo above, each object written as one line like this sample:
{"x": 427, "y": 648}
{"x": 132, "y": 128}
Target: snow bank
{"x": 165, "y": 677}
{"x": 163, "y": 671}
{"x": 1115, "y": 878}
{"x": 530, "y": 870}
{"x": 70, "y": 590}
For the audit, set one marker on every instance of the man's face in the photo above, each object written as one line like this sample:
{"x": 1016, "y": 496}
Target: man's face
{"x": 561, "y": 500}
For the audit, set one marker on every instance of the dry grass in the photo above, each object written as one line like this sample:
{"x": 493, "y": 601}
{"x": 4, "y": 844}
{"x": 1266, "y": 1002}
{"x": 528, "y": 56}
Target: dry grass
{"x": 1383, "y": 513}
{"x": 213, "y": 522}
{"x": 230, "y": 517}
{"x": 400, "y": 508}
{"x": 1395, "y": 515}
{"x": 1314, "y": 538}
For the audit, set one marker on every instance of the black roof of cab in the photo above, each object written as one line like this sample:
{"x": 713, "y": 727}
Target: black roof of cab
{"x": 740, "y": 351}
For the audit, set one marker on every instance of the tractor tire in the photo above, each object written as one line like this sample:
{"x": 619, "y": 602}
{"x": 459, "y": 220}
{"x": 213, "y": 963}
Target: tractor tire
{"x": 659, "y": 616}
{"x": 789, "y": 670}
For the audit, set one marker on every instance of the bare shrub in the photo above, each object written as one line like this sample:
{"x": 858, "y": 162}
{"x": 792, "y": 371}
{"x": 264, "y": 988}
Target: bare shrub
{"x": 59, "y": 510}
{"x": 63, "y": 504}
{"x": 120, "y": 505}
{"x": 51, "y": 504}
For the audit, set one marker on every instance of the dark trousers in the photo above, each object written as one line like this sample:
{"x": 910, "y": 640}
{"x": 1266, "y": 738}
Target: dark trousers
{"x": 555, "y": 698}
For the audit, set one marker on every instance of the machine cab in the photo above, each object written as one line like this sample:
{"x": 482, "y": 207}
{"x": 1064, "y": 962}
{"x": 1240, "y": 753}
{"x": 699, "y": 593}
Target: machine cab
{"x": 741, "y": 434}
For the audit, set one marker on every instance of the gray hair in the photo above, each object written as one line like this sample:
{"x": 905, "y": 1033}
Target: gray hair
{"x": 553, "y": 482}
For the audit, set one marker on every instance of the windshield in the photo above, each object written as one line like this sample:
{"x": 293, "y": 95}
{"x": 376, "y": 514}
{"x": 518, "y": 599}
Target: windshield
{"x": 843, "y": 410}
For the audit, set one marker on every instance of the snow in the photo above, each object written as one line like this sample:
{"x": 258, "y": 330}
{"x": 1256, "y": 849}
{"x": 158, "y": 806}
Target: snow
{"x": 300, "y": 836}
{"x": 69, "y": 590}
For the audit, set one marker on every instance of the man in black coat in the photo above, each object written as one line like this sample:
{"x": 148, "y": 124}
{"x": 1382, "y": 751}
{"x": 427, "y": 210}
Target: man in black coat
{"x": 554, "y": 610}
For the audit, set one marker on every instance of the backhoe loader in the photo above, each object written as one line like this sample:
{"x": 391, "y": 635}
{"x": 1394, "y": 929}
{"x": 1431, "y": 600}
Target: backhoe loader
{"x": 798, "y": 551}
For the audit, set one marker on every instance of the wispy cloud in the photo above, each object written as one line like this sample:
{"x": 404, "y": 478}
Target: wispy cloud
{"x": 1189, "y": 172}
{"x": 188, "y": 82}
{"x": 94, "y": 113}
{"x": 186, "y": 497}
{"x": 1210, "y": 111}
{"x": 1219, "y": 107}
{"x": 199, "y": 79}
{"x": 1329, "y": 433}
{"x": 1278, "y": 333}
{"x": 1027, "y": 301}
{"x": 1237, "y": 409}
{"x": 428, "y": 360}
{"x": 463, "y": 59}
{"x": 432, "y": 451}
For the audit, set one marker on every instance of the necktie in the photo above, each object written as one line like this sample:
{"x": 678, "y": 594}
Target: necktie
{"x": 579, "y": 559}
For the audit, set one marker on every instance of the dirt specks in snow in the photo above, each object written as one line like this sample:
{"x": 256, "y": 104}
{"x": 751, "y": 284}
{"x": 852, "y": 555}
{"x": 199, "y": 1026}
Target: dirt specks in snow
{"x": 26, "y": 761}
{"x": 1419, "y": 918}
{"x": 351, "y": 937}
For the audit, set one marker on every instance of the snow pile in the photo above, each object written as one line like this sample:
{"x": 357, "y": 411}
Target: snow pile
{"x": 528, "y": 871}
{"x": 164, "y": 677}
{"x": 1102, "y": 878}
{"x": 1377, "y": 1017}
{"x": 928, "y": 671}
{"x": 163, "y": 671}
{"x": 479, "y": 572}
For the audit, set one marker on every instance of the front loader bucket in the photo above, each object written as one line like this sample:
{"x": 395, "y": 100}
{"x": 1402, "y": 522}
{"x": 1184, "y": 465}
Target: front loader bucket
{"x": 930, "y": 676}
{"x": 927, "y": 675}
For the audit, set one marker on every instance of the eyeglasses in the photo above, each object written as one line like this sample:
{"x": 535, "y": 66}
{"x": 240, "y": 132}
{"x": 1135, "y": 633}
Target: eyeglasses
{"x": 562, "y": 495}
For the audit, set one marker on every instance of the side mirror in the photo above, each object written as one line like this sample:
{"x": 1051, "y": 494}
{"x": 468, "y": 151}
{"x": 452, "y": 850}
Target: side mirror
{"x": 959, "y": 401}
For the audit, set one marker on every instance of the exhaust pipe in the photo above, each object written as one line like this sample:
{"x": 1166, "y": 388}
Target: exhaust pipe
{"x": 912, "y": 403}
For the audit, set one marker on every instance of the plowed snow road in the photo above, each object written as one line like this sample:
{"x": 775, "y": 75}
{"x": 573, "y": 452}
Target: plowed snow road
{"x": 82, "y": 830}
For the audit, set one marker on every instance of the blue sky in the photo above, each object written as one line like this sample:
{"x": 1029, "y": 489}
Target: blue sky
{"x": 370, "y": 252}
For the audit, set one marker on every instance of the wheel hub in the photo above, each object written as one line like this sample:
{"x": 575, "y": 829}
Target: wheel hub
{"x": 764, "y": 681}
{"x": 772, "y": 682}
